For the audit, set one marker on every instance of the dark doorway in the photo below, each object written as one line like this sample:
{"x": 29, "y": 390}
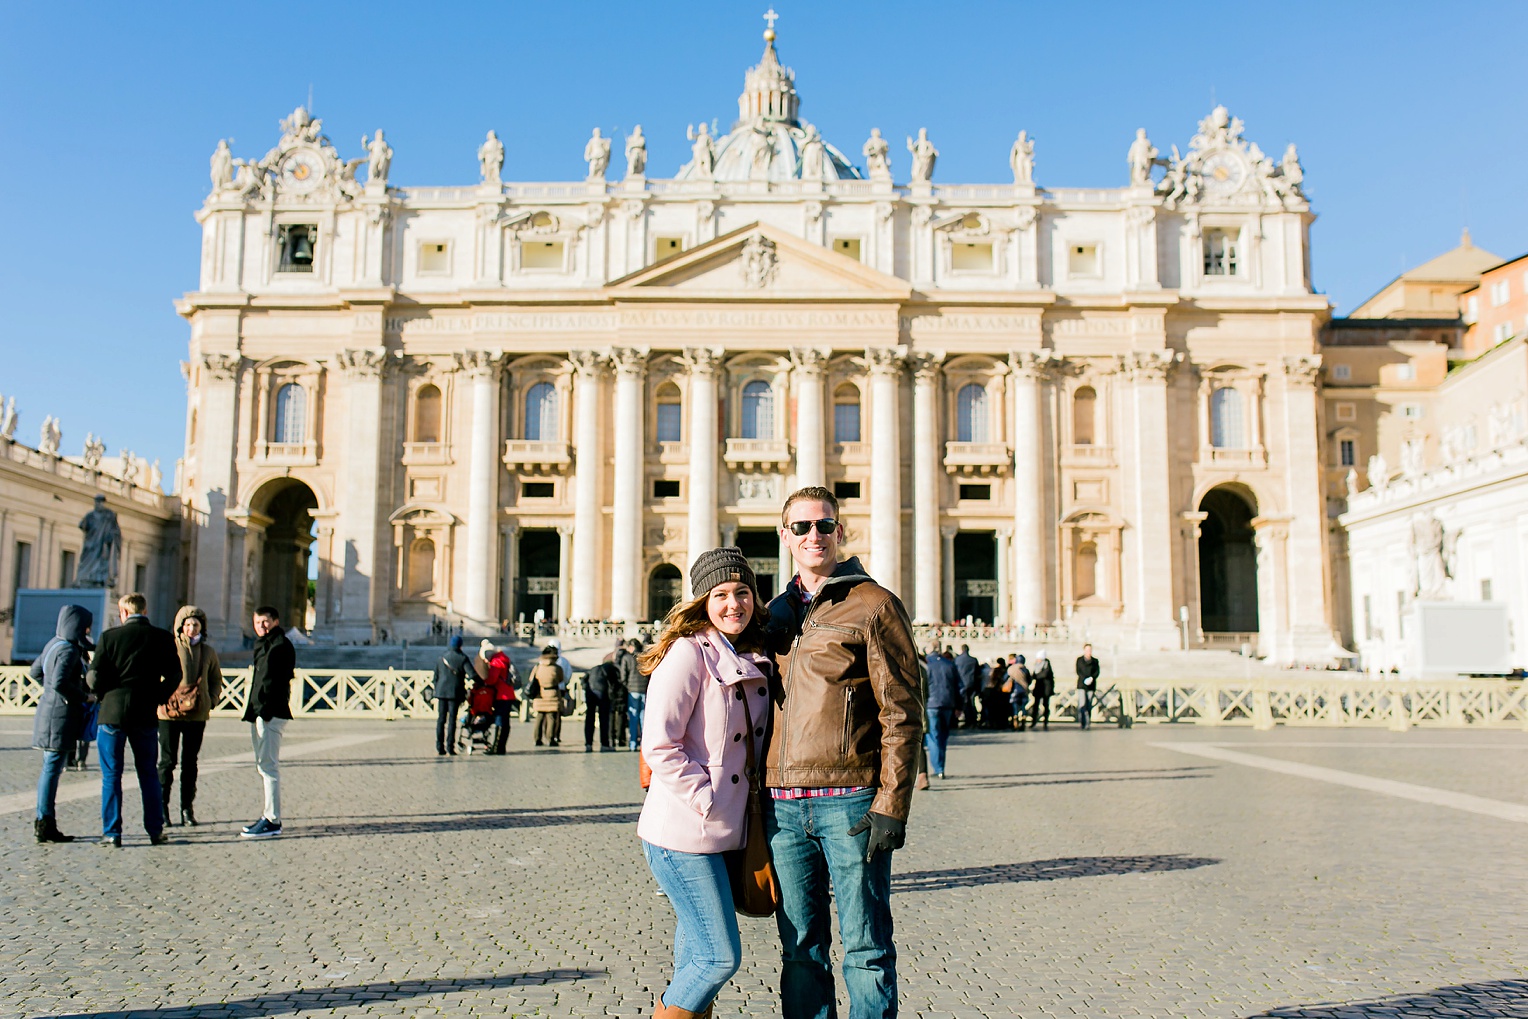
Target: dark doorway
{"x": 536, "y": 574}
{"x": 763, "y": 551}
{"x": 976, "y": 575}
{"x": 664, "y": 589}
{"x": 1227, "y": 564}
{"x": 285, "y": 550}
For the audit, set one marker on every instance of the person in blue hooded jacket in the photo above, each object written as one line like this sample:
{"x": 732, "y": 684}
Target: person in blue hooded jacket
{"x": 60, "y": 710}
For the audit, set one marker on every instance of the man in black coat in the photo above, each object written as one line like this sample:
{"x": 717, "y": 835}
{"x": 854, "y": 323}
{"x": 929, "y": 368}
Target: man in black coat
{"x": 450, "y": 688}
{"x": 268, "y": 711}
{"x": 635, "y": 681}
{"x": 1087, "y": 685}
{"x": 970, "y": 672}
{"x": 597, "y": 687}
{"x": 135, "y": 669}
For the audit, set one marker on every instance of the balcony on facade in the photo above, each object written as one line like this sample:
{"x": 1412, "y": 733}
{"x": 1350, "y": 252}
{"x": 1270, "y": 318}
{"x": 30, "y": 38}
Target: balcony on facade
{"x": 852, "y": 453}
{"x": 416, "y": 454}
{"x": 977, "y": 457}
{"x": 287, "y": 454}
{"x": 758, "y": 454}
{"x": 1233, "y": 459}
{"x": 537, "y": 457}
{"x": 1087, "y": 455}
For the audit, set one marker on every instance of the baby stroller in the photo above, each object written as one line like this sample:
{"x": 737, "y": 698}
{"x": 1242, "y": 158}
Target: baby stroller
{"x": 480, "y": 727}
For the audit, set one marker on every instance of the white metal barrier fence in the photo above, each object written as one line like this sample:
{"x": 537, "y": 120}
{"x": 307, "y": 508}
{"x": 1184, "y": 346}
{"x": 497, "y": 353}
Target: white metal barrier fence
{"x": 395, "y": 693}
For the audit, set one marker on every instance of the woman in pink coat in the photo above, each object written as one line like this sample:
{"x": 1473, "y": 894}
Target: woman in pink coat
{"x": 707, "y": 700}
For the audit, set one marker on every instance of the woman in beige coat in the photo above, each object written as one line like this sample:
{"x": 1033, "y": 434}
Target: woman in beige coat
{"x": 183, "y": 721}
{"x": 545, "y": 692}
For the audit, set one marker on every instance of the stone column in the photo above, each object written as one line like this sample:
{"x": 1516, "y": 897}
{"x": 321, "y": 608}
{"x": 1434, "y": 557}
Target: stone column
{"x": 1309, "y": 618}
{"x": 626, "y": 524}
{"x": 509, "y": 543}
{"x": 211, "y": 582}
{"x": 811, "y": 423}
{"x": 947, "y": 573}
{"x": 481, "y": 367}
{"x": 926, "y": 433}
{"x": 1000, "y": 614}
{"x": 886, "y": 465}
{"x": 360, "y": 486}
{"x": 566, "y": 547}
{"x": 578, "y": 591}
{"x": 704, "y": 441}
{"x": 1151, "y": 526}
{"x": 1028, "y": 495}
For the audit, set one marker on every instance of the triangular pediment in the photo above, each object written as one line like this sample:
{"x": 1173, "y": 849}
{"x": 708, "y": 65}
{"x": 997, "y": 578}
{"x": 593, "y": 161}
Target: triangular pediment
{"x": 760, "y": 261}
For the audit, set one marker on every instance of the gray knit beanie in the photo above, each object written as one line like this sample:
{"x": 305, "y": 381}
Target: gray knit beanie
{"x": 718, "y": 566}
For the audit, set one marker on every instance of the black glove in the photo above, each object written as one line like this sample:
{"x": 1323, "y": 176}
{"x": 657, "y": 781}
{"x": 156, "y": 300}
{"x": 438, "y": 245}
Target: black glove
{"x": 886, "y": 833}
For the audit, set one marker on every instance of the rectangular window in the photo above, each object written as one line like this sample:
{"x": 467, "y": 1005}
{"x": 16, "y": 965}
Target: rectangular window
{"x": 1082, "y": 260}
{"x": 978, "y": 492}
{"x": 846, "y": 489}
{"x": 847, "y": 246}
{"x": 846, "y": 422}
{"x": 434, "y": 257}
{"x": 1342, "y": 372}
{"x": 1471, "y": 310}
{"x": 667, "y": 247}
{"x": 1501, "y": 293}
{"x": 1406, "y": 372}
{"x": 669, "y": 422}
{"x": 665, "y": 489}
{"x": 971, "y": 257}
{"x": 538, "y": 489}
{"x": 541, "y": 254}
{"x": 298, "y": 243}
{"x": 1220, "y": 254}
{"x": 1347, "y": 412}
{"x": 140, "y": 577}
{"x": 66, "y": 568}
{"x": 1485, "y": 589}
{"x": 1502, "y": 333}
{"x": 1368, "y": 617}
{"x": 21, "y": 571}
{"x": 1411, "y": 411}
{"x": 1347, "y": 451}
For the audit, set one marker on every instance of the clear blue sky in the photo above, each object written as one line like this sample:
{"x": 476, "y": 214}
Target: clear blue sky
{"x": 1410, "y": 118}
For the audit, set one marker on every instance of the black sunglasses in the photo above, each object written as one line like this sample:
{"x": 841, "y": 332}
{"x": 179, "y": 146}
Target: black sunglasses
{"x": 800, "y": 527}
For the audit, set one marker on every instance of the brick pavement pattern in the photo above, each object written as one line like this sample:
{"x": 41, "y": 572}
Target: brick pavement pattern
{"x": 1053, "y": 874}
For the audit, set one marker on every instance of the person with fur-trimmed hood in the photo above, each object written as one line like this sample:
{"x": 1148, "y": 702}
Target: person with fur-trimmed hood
{"x": 183, "y": 718}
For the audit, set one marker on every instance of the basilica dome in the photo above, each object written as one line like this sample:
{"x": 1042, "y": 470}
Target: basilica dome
{"x": 769, "y": 141}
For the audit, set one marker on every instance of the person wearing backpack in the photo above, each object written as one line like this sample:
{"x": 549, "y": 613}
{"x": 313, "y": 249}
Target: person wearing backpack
{"x": 60, "y": 710}
{"x": 450, "y": 688}
{"x": 183, "y": 718}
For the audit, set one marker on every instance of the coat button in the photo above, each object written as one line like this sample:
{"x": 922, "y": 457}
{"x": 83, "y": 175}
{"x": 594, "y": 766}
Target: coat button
{"x": 736, "y": 736}
{"x": 762, "y": 691}
{"x": 759, "y": 731}
{"x": 740, "y": 695}
{"x": 734, "y": 780}
{"x": 739, "y": 672}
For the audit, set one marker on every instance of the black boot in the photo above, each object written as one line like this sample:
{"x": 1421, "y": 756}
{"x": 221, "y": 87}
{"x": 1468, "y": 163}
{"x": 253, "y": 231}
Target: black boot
{"x": 187, "y": 815}
{"x": 47, "y": 831}
{"x": 38, "y": 829}
{"x": 165, "y": 812}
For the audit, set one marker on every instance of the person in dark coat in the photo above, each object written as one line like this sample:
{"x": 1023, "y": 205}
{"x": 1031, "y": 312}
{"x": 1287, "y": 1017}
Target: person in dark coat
{"x": 618, "y": 697}
{"x": 450, "y": 688}
{"x": 60, "y": 710}
{"x": 944, "y": 699}
{"x": 135, "y": 669}
{"x": 1087, "y": 685}
{"x": 1041, "y": 689}
{"x": 995, "y": 710}
{"x": 1020, "y": 680}
{"x": 183, "y": 720}
{"x": 597, "y": 703}
{"x": 268, "y": 711}
{"x": 636, "y": 691}
{"x": 970, "y": 672}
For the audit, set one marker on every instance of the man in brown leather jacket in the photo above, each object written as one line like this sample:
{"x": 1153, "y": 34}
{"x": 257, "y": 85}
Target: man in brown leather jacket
{"x": 843, "y": 755}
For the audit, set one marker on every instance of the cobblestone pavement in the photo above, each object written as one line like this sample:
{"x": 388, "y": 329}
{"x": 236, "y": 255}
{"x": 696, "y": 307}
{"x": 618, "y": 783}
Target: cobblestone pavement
{"x": 1100, "y": 873}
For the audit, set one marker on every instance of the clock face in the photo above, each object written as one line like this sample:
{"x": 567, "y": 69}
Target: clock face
{"x": 302, "y": 170}
{"x": 1223, "y": 172}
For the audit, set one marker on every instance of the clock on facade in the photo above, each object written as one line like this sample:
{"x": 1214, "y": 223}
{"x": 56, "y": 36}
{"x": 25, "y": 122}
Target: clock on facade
{"x": 1223, "y": 172}
{"x": 302, "y": 170}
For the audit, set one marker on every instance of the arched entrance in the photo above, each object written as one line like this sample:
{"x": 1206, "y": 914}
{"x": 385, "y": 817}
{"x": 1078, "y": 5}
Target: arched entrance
{"x": 280, "y": 555}
{"x": 1227, "y": 562}
{"x": 664, "y": 588}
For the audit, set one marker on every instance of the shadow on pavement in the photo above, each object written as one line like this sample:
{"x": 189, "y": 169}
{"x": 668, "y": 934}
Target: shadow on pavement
{"x": 1490, "y": 999}
{"x": 325, "y": 998}
{"x": 479, "y": 820}
{"x": 1060, "y": 869}
{"x": 958, "y": 782}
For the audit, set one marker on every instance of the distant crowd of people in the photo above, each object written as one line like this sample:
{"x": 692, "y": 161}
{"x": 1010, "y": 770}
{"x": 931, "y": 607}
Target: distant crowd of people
{"x": 150, "y": 691}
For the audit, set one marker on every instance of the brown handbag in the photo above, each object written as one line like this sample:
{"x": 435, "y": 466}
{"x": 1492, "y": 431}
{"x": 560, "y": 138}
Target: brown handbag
{"x": 185, "y": 701}
{"x": 755, "y": 889}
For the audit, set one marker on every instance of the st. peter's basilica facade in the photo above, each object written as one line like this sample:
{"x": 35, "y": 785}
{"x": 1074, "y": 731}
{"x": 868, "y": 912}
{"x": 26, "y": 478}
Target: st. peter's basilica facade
{"x": 1039, "y": 406}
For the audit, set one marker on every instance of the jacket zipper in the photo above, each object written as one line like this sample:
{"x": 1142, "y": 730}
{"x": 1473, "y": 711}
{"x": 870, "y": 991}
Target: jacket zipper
{"x": 848, "y": 718}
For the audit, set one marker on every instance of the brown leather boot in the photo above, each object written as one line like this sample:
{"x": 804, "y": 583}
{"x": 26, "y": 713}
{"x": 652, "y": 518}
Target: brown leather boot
{"x": 662, "y": 1011}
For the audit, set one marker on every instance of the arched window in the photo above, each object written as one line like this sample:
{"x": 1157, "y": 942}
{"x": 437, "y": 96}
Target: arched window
{"x": 541, "y": 413}
{"x": 427, "y": 414}
{"x": 1226, "y": 424}
{"x": 670, "y": 414}
{"x": 291, "y": 413}
{"x": 846, "y": 413}
{"x": 758, "y": 411}
{"x": 971, "y": 413}
{"x": 665, "y": 587}
{"x": 421, "y": 567}
{"x": 1087, "y": 570}
{"x": 1084, "y": 411}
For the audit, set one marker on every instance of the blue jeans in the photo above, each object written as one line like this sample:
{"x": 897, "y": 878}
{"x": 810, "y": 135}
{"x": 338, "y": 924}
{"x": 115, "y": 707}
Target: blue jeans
{"x": 47, "y": 782}
{"x": 1084, "y": 708}
{"x": 811, "y": 846}
{"x": 636, "y": 707}
{"x": 707, "y": 947}
{"x": 113, "y": 741}
{"x": 938, "y": 737}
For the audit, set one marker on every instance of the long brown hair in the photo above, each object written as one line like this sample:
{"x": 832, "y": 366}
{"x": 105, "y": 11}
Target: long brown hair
{"x": 689, "y": 618}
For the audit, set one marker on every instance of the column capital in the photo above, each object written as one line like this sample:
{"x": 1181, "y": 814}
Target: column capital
{"x": 566, "y": 530}
{"x": 886, "y": 360}
{"x": 1148, "y": 365}
{"x": 589, "y": 363}
{"x": 810, "y": 360}
{"x": 926, "y": 365}
{"x": 1301, "y": 370}
{"x": 1006, "y": 533}
{"x": 702, "y": 360}
{"x": 630, "y": 360}
{"x": 1034, "y": 365}
{"x": 948, "y": 531}
{"x": 363, "y": 362}
{"x": 479, "y": 364}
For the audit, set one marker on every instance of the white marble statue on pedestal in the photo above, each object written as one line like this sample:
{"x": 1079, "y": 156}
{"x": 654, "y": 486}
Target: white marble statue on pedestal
{"x": 877, "y": 164}
{"x": 50, "y": 436}
{"x": 156, "y": 477}
{"x": 1022, "y": 159}
{"x": 1141, "y": 157}
{"x": 130, "y": 467}
{"x": 379, "y": 158}
{"x": 636, "y": 153}
{"x": 924, "y": 154}
{"x": 597, "y": 155}
{"x": 1379, "y": 473}
{"x": 1429, "y": 558}
{"x": 222, "y": 166}
{"x": 813, "y": 156}
{"x": 702, "y": 149}
{"x": 94, "y": 450}
{"x": 490, "y": 158}
{"x": 8, "y": 420}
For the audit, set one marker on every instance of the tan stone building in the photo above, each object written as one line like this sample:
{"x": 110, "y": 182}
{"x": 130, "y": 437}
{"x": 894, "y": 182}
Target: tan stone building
{"x": 1041, "y": 407}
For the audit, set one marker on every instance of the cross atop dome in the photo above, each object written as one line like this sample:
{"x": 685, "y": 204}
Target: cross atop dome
{"x": 769, "y": 90}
